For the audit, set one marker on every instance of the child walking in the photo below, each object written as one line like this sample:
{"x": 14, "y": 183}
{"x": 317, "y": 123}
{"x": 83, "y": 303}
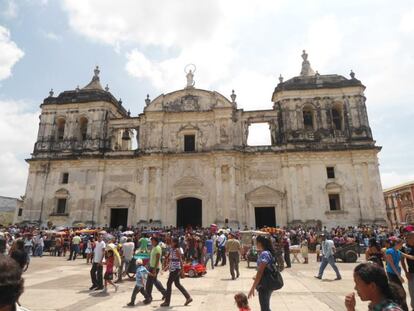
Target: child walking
{"x": 109, "y": 272}
{"x": 140, "y": 276}
{"x": 242, "y": 302}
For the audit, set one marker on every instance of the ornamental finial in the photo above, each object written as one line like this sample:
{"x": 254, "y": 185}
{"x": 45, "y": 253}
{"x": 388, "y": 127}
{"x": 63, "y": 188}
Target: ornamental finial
{"x": 147, "y": 100}
{"x": 233, "y": 96}
{"x": 51, "y": 93}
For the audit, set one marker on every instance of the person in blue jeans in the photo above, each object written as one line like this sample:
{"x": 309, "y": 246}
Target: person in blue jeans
{"x": 393, "y": 256}
{"x": 39, "y": 244}
{"x": 140, "y": 277}
{"x": 328, "y": 250}
{"x": 265, "y": 258}
{"x": 209, "y": 244}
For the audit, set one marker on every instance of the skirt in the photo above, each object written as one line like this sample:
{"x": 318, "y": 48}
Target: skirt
{"x": 109, "y": 276}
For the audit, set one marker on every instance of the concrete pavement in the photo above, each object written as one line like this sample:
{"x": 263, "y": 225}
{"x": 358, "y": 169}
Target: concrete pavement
{"x": 52, "y": 283}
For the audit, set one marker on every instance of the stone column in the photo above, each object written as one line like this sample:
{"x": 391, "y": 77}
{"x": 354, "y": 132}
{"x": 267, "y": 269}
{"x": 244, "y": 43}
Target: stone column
{"x": 301, "y": 191}
{"x": 144, "y": 195}
{"x": 294, "y": 193}
{"x": 97, "y": 209}
{"x": 158, "y": 192}
{"x": 233, "y": 208}
{"x": 219, "y": 207}
{"x": 288, "y": 210}
{"x": 29, "y": 206}
{"x": 377, "y": 199}
{"x": 307, "y": 187}
{"x": 360, "y": 189}
{"x": 137, "y": 138}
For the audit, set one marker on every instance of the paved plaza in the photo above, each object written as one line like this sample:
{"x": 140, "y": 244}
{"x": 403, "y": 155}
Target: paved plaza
{"x": 56, "y": 284}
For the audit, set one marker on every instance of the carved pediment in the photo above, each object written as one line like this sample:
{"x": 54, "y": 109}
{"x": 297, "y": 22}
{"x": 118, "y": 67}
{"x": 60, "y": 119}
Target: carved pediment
{"x": 189, "y": 99}
{"x": 188, "y": 182}
{"x": 62, "y": 193}
{"x": 185, "y": 103}
{"x": 188, "y": 127}
{"x": 119, "y": 197}
{"x": 264, "y": 192}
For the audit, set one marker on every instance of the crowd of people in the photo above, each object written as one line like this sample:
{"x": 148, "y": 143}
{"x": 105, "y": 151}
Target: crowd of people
{"x": 113, "y": 254}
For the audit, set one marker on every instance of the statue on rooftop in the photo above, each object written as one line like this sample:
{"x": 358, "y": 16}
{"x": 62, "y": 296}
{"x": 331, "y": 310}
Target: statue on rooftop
{"x": 306, "y": 67}
{"x": 189, "y": 70}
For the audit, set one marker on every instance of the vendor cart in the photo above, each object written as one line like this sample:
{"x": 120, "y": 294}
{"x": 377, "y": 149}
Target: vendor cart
{"x": 347, "y": 252}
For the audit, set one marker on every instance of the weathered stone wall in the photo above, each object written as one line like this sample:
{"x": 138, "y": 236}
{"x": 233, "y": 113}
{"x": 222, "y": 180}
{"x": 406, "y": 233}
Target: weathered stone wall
{"x": 230, "y": 185}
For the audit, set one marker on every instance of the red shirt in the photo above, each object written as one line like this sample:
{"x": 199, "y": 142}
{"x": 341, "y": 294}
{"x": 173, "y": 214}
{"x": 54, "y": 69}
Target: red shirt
{"x": 110, "y": 264}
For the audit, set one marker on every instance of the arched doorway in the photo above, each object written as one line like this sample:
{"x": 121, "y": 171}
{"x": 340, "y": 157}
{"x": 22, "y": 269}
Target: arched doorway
{"x": 189, "y": 212}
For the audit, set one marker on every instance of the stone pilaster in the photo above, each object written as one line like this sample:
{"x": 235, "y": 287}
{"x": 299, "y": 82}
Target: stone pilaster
{"x": 158, "y": 193}
{"x": 143, "y": 215}
{"x": 219, "y": 201}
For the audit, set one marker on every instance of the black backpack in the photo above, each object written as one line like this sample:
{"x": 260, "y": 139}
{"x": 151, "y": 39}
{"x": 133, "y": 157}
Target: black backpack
{"x": 272, "y": 278}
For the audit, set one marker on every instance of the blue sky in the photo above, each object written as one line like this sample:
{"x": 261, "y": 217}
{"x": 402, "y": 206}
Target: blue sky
{"x": 143, "y": 46}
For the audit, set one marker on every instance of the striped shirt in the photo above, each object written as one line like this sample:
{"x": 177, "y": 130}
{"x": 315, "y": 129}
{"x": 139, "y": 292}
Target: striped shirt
{"x": 175, "y": 263}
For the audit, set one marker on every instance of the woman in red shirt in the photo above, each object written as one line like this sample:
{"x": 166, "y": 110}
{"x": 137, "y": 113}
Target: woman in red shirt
{"x": 109, "y": 272}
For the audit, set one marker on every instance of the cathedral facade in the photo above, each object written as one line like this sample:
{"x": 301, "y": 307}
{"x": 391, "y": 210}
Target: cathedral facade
{"x": 192, "y": 164}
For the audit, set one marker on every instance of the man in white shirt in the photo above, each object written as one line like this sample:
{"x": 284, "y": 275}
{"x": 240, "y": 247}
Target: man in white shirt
{"x": 97, "y": 266}
{"x": 128, "y": 248}
{"x": 221, "y": 249}
{"x": 328, "y": 250}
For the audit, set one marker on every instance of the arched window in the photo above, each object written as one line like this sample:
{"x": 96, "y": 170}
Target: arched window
{"x": 83, "y": 128}
{"x": 308, "y": 118}
{"x": 60, "y": 129}
{"x": 337, "y": 119}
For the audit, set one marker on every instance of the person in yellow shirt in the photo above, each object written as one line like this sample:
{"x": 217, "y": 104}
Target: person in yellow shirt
{"x": 75, "y": 247}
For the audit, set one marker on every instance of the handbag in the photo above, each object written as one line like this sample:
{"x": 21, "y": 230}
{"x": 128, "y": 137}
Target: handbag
{"x": 272, "y": 278}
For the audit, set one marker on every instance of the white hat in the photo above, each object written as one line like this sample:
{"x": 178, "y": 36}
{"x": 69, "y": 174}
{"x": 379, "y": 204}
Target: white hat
{"x": 138, "y": 262}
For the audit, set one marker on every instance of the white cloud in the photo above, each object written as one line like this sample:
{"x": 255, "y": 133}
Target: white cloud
{"x": 323, "y": 42}
{"x": 156, "y": 22}
{"x": 13, "y": 174}
{"x": 391, "y": 179}
{"x": 18, "y": 131}
{"x": 203, "y": 33}
{"x": 9, "y": 9}
{"x": 259, "y": 135}
{"x": 51, "y": 36}
{"x": 407, "y": 21}
{"x": 253, "y": 89}
{"x": 10, "y": 53}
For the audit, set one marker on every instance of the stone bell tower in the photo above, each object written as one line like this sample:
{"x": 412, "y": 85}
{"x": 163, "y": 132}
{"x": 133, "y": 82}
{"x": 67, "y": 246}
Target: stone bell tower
{"x": 75, "y": 121}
